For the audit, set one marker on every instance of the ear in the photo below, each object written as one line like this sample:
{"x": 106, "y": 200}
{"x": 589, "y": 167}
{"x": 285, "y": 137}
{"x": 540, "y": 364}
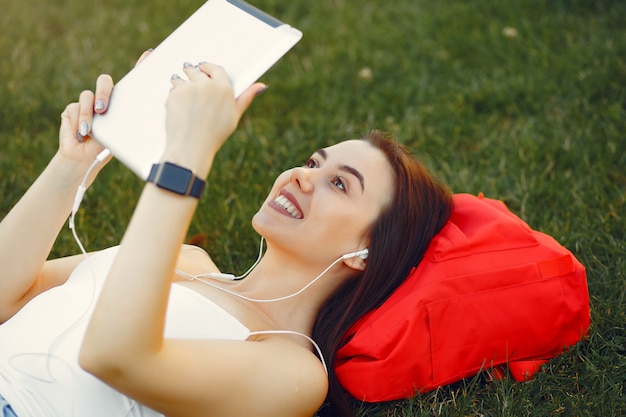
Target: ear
{"x": 355, "y": 263}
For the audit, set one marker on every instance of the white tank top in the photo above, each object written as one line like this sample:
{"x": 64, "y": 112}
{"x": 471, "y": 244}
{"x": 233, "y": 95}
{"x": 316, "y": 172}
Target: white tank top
{"x": 39, "y": 372}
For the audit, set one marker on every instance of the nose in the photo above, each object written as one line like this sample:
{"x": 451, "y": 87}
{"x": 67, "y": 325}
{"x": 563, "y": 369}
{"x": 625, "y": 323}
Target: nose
{"x": 302, "y": 177}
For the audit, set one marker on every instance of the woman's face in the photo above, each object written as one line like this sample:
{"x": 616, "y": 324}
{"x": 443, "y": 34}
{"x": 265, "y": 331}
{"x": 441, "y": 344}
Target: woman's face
{"x": 325, "y": 208}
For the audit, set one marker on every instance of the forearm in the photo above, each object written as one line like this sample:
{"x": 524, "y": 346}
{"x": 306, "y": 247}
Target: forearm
{"x": 29, "y": 230}
{"x": 201, "y": 113}
{"x": 133, "y": 301}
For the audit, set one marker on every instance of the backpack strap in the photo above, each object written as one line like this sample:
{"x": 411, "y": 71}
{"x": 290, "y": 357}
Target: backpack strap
{"x": 556, "y": 267}
{"x": 522, "y": 371}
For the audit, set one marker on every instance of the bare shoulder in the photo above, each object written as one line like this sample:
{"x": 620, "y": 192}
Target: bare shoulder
{"x": 196, "y": 259}
{"x": 299, "y": 377}
{"x": 269, "y": 377}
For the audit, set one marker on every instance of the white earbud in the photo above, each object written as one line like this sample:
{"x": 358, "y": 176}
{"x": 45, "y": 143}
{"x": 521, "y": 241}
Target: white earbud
{"x": 360, "y": 253}
{"x": 219, "y": 275}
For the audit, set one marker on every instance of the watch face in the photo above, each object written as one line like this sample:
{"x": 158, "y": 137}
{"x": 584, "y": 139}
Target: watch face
{"x": 175, "y": 178}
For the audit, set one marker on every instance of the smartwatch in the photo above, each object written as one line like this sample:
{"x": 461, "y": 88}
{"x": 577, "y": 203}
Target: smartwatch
{"x": 176, "y": 179}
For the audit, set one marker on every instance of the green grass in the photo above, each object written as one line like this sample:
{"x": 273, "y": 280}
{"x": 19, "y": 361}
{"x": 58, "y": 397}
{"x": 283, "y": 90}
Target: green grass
{"x": 534, "y": 115}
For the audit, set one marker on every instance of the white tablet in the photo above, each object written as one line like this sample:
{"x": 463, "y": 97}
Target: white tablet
{"x": 241, "y": 38}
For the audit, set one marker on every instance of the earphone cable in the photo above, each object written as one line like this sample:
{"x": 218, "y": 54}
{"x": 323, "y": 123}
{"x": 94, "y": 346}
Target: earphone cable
{"x": 230, "y": 276}
{"x": 259, "y": 300}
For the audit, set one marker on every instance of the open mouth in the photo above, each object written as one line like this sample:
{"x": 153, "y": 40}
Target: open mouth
{"x": 284, "y": 203}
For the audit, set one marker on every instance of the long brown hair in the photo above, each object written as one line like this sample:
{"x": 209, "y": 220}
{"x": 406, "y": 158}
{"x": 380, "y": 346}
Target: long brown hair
{"x": 419, "y": 208}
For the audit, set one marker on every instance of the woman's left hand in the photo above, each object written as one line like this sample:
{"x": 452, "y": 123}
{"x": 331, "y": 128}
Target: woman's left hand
{"x": 75, "y": 142}
{"x": 202, "y": 113}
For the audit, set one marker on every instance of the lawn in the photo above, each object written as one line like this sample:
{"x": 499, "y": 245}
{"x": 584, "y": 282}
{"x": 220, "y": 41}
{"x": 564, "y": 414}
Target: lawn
{"x": 523, "y": 100}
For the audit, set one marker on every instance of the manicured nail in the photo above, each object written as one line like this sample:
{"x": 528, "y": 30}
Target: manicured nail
{"x": 79, "y": 137}
{"x": 261, "y": 90}
{"x": 84, "y": 128}
{"x": 187, "y": 65}
{"x": 175, "y": 77}
{"x": 99, "y": 105}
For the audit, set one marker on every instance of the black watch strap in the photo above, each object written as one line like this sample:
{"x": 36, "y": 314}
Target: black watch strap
{"x": 176, "y": 179}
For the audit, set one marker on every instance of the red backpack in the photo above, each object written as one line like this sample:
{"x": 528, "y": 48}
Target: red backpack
{"x": 489, "y": 291}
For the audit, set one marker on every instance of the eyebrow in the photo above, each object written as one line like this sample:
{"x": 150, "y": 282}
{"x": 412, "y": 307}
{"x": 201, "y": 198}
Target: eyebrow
{"x": 346, "y": 168}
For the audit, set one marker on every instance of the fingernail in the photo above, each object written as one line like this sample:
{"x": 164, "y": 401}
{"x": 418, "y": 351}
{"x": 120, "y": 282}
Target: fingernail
{"x": 187, "y": 65}
{"x": 84, "y": 128}
{"x": 99, "y": 105}
{"x": 261, "y": 90}
{"x": 175, "y": 77}
{"x": 79, "y": 137}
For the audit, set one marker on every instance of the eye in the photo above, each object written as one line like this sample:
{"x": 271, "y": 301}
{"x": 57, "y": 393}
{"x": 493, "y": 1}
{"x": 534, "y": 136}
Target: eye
{"x": 338, "y": 182}
{"x": 311, "y": 163}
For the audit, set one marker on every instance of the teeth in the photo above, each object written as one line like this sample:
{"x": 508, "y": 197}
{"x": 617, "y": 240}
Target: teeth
{"x": 286, "y": 204}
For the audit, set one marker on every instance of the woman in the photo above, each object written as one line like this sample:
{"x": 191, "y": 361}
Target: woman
{"x": 202, "y": 346}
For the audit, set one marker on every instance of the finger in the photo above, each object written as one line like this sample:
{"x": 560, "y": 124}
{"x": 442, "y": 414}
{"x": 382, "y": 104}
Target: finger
{"x": 85, "y": 114}
{"x": 143, "y": 56}
{"x": 246, "y": 98}
{"x": 216, "y": 72}
{"x": 104, "y": 87}
{"x": 69, "y": 120}
{"x": 193, "y": 71}
{"x": 175, "y": 80}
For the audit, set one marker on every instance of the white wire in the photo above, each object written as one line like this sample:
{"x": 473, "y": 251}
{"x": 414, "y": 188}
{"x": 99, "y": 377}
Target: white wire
{"x": 310, "y": 339}
{"x": 231, "y": 276}
{"x": 257, "y": 300}
{"x": 50, "y": 355}
{"x": 270, "y": 300}
{"x": 80, "y": 193}
{"x": 82, "y": 188}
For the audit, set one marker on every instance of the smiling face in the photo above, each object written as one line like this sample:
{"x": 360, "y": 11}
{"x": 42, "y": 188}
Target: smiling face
{"x": 325, "y": 208}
